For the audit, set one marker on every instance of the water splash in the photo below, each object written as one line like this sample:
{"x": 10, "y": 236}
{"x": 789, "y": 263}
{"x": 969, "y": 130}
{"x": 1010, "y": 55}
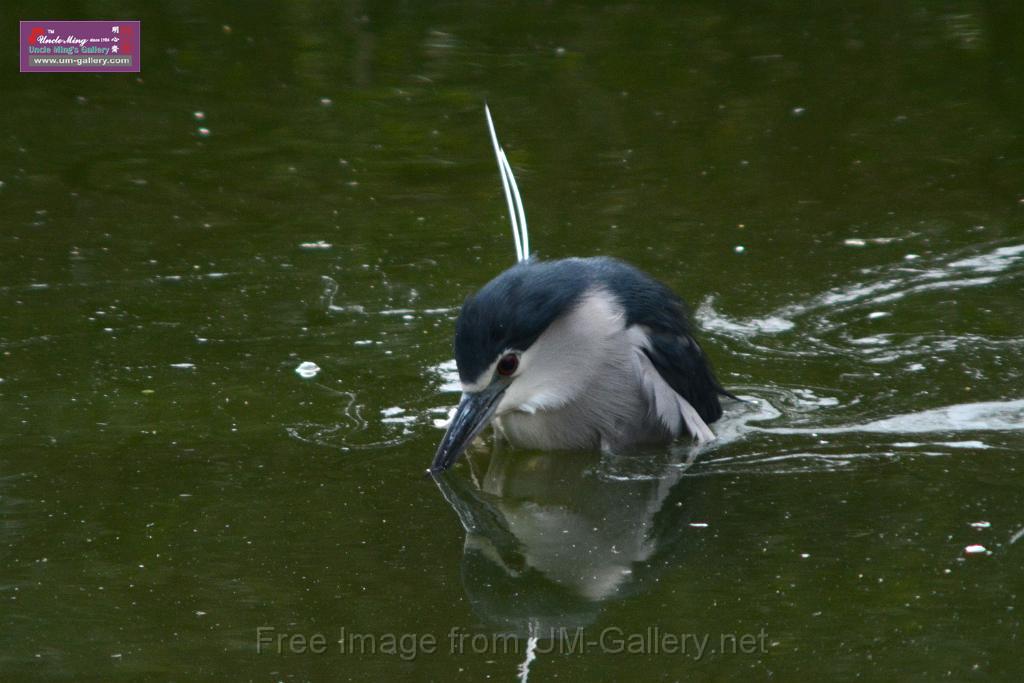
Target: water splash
{"x": 886, "y": 284}
{"x": 448, "y": 373}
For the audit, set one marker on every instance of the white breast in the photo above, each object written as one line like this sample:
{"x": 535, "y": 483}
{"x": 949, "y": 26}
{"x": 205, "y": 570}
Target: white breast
{"x": 586, "y": 384}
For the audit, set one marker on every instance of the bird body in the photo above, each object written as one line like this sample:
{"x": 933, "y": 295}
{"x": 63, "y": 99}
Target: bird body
{"x": 604, "y": 354}
{"x": 577, "y": 353}
{"x": 592, "y": 333}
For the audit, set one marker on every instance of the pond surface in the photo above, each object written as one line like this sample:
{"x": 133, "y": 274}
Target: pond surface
{"x": 839, "y": 194}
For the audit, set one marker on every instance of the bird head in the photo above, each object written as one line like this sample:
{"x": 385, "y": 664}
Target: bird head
{"x": 526, "y": 341}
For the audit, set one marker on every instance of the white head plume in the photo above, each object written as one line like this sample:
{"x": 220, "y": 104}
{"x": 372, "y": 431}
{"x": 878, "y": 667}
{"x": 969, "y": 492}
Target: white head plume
{"x": 516, "y": 213}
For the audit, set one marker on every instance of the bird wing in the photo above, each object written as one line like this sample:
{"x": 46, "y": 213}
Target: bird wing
{"x": 671, "y": 409}
{"x": 678, "y": 380}
{"x": 681, "y": 362}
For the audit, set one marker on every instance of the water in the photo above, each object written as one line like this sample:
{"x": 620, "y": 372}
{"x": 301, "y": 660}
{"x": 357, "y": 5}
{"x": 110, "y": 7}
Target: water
{"x": 837, "y": 192}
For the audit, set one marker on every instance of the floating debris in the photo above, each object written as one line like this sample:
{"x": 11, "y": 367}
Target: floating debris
{"x": 699, "y": 525}
{"x": 976, "y": 549}
{"x": 981, "y": 525}
{"x": 183, "y": 366}
{"x": 858, "y": 242}
{"x": 307, "y": 370}
{"x": 319, "y": 244}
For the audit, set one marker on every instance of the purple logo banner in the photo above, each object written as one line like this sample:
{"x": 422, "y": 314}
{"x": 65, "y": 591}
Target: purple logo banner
{"x": 81, "y": 46}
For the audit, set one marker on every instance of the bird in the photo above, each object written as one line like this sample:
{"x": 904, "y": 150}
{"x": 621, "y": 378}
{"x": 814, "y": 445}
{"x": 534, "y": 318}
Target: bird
{"x": 576, "y": 354}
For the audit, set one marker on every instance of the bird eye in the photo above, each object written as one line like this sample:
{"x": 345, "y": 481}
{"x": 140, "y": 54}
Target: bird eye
{"x": 508, "y": 364}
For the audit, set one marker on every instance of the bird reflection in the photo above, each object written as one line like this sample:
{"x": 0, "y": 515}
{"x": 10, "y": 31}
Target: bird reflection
{"x": 551, "y": 537}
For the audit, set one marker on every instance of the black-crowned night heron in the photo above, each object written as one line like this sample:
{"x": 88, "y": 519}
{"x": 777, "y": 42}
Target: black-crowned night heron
{"x": 579, "y": 353}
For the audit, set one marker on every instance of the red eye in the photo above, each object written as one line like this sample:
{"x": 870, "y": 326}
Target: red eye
{"x": 508, "y": 364}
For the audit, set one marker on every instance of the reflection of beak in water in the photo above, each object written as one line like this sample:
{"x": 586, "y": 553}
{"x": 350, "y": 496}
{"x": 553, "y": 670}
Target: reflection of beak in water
{"x": 549, "y": 537}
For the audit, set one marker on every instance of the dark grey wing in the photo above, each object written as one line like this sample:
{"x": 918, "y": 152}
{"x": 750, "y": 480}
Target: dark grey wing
{"x": 671, "y": 347}
{"x": 681, "y": 362}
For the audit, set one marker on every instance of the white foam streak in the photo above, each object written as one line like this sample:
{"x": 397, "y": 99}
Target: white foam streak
{"x": 895, "y": 282}
{"x": 989, "y": 416}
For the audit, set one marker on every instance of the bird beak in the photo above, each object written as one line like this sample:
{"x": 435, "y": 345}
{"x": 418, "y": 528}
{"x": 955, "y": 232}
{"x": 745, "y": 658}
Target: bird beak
{"x": 474, "y": 412}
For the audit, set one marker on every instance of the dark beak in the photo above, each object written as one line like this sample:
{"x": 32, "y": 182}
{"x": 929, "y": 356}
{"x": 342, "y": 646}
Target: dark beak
{"x": 474, "y": 412}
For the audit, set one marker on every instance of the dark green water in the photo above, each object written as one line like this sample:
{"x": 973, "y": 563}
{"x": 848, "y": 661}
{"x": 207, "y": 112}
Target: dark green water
{"x": 169, "y": 484}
